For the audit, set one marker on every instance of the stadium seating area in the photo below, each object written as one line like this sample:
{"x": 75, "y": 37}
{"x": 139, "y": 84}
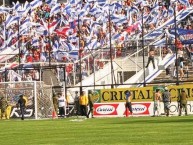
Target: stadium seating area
{"x": 41, "y": 33}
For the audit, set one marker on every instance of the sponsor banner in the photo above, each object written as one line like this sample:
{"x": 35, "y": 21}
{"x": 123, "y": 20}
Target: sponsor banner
{"x": 117, "y": 95}
{"x": 15, "y": 112}
{"x": 143, "y": 94}
{"x": 139, "y": 109}
{"x": 95, "y": 96}
{"x": 119, "y": 110}
{"x": 105, "y": 109}
{"x": 174, "y": 108}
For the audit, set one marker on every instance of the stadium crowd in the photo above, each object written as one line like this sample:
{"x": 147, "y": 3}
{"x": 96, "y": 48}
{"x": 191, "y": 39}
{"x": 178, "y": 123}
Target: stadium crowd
{"x": 38, "y": 32}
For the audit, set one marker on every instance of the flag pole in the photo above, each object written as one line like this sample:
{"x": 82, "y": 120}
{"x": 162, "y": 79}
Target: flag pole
{"x": 80, "y": 55}
{"x": 111, "y": 59}
{"x": 19, "y": 43}
{"x": 175, "y": 29}
{"x": 49, "y": 41}
{"x": 144, "y": 83}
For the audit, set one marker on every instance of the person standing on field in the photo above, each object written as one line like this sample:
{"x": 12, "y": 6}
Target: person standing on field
{"x": 157, "y": 99}
{"x": 55, "y": 103}
{"x": 166, "y": 97}
{"x": 182, "y": 99}
{"x": 3, "y": 107}
{"x": 22, "y": 104}
{"x": 128, "y": 101}
{"x": 76, "y": 103}
{"x": 83, "y": 101}
{"x": 90, "y": 103}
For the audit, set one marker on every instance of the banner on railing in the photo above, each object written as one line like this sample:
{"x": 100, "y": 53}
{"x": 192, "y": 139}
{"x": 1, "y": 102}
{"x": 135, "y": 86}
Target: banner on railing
{"x": 139, "y": 109}
{"x": 141, "y": 94}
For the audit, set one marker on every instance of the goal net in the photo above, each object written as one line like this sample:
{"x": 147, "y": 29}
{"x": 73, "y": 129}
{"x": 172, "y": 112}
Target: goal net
{"x": 39, "y": 102}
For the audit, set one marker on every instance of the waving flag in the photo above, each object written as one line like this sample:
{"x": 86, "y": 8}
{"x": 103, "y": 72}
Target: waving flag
{"x": 64, "y": 31}
{"x": 51, "y": 26}
{"x": 49, "y": 2}
{"x": 35, "y": 42}
{"x": 101, "y": 3}
{"x": 116, "y": 36}
{"x": 186, "y": 36}
{"x": 92, "y": 45}
{"x": 5, "y": 10}
{"x": 56, "y": 9}
{"x": 170, "y": 11}
{"x": 73, "y": 55}
{"x": 161, "y": 42}
{"x": 59, "y": 55}
{"x": 26, "y": 7}
{"x": 55, "y": 46}
{"x": 17, "y": 6}
{"x": 185, "y": 2}
{"x": 35, "y": 3}
{"x": 73, "y": 38}
{"x": 12, "y": 20}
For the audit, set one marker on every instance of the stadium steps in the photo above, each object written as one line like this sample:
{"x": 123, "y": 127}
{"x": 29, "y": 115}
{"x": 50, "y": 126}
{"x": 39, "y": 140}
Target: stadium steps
{"x": 188, "y": 76}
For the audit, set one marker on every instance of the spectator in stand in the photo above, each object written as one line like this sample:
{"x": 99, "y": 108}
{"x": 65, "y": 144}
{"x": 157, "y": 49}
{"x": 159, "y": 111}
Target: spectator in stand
{"x": 151, "y": 58}
{"x": 181, "y": 67}
{"x": 36, "y": 75}
{"x": 190, "y": 50}
{"x": 29, "y": 77}
{"x": 93, "y": 26}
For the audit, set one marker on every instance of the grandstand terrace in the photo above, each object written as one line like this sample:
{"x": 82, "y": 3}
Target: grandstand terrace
{"x": 95, "y": 42}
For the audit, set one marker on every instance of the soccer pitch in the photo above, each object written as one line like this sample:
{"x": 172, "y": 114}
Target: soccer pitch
{"x": 98, "y": 131}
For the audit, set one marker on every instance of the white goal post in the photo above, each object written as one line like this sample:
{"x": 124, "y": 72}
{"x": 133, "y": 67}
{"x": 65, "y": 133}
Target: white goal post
{"x": 39, "y": 103}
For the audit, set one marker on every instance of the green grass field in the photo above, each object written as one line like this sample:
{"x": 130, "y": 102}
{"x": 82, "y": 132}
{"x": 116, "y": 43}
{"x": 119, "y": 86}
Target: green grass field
{"x": 99, "y": 131}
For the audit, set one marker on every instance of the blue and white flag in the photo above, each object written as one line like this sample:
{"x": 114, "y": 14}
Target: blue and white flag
{"x": 116, "y": 36}
{"x": 5, "y": 10}
{"x": 170, "y": 11}
{"x": 92, "y": 45}
{"x": 36, "y": 3}
{"x": 12, "y": 20}
{"x": 26, "y": 7}
{"x": 17, "y": 6}
{"x": 59, "y": 55}
{"x": 73, "y": 55}
{"x": 35, "y": 42}
{"x": 51, "y": 2}
{"x": 56, "y": 9}
{"x": 73, "y": 38}
{"x": 186, "y": 36}
{"x": 184, "y": 2}
{"x": 55, "y": 46}
{"x": 101, "y": 3}
{"x": 161, "y": 42}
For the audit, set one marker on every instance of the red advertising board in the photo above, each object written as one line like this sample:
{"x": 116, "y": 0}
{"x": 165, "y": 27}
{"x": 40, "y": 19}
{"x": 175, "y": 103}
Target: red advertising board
{"x": 118, "y": 109}
{"x": 105, "y": 109}
{"x": 139, "y": 109}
